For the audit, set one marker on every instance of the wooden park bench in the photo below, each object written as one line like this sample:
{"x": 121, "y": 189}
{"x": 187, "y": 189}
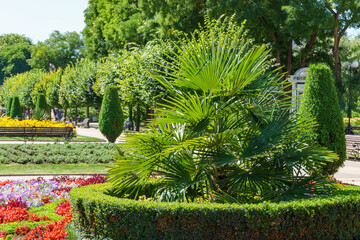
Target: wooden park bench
{"x": 36, "y": 132}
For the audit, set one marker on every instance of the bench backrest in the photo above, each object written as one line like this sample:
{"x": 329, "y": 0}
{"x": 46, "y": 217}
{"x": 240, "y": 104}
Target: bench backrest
{"x": 36, "y": 131}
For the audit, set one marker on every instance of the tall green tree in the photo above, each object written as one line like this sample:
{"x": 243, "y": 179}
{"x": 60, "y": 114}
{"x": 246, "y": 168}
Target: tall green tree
{"x": 15, "y": 50}
{"x": 280, "y": 24}
{"x": 59, "y": 50}
{"x": 27, "y": 86}
{"x": 113, "y": 24}
{"x": 345, "y": 14}
{"x": 76, "y": 88}
{"x": 11, "y": 86}
{"x": 129, "y": 70}
{"x": 53, "y": 88}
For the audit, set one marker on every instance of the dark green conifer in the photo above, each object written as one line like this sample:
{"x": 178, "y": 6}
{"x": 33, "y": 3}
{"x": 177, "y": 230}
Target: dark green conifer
{"x": 16, "y": 109}
{"x": 8, "y": 106}
{"x": 111, "y": 119}
{"x": 320, "y": 101}
{"x": 41, "y": 107}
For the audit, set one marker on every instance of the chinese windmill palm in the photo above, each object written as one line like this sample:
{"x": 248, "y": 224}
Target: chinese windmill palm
{"x": 225, "y": 131}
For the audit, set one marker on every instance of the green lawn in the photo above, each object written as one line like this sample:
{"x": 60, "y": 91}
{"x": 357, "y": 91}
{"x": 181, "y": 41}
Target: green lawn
{"x": 54, "y": 139}
{"x": 52, "y": 168}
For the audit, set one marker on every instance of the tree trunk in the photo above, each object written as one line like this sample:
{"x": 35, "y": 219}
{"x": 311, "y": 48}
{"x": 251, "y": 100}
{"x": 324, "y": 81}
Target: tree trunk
{"x": 76, "y": 112}
{"x": 137, "y": 118}
{"x": 308, "y": 48}
{"x": 65, "y": 114}
{"x": 278, "y": 60}
{"x": 131, "y": 118}
{"x": 87, "y": 112}
{"x": 337, "y": 62}
{"x": 49, "y": 111}
{"x": 149, "y": 113}
{"x": 289, "y": 59}
{"x": 289, "y": 56}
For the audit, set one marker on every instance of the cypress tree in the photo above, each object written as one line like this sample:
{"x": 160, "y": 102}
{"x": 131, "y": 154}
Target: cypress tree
{"x": 320, "y": 100}
{"x": 8, "y": 106}
{"x": 111, "y": 119}
{"x": 41, "y": 107}
{"x": 16, "y": 109}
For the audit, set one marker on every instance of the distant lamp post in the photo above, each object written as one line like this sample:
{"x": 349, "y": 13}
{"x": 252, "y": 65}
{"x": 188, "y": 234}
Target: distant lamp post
{"x": 352, "y": 68}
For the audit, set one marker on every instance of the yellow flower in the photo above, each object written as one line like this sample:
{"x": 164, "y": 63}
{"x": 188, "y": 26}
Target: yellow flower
{"x": 8, "y": 122}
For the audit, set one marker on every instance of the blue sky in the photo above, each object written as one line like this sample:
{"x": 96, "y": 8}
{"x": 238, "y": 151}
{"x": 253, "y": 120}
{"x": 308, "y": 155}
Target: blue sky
{"x": 36, "y": 19}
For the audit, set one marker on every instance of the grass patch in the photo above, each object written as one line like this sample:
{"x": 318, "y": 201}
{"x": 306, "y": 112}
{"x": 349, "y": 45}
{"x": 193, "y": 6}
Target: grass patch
{"x": 52, "y": 168}
{"x": 78, "y": 138}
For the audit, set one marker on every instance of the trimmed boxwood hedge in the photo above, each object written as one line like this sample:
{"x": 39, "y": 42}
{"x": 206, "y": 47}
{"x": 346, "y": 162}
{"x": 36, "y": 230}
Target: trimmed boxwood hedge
{"x": 89, "y": 153}
{"x": 101, "y": 216}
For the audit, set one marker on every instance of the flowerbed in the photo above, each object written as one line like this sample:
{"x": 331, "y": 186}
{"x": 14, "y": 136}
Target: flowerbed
{"x": 38, "y": 209}
{"x": 8, "y": 122}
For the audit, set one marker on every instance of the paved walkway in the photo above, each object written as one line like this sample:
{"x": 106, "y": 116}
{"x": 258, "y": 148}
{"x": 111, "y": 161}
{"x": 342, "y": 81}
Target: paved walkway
{"x": 349, "y": 173}
{"x": 90, "y": 132}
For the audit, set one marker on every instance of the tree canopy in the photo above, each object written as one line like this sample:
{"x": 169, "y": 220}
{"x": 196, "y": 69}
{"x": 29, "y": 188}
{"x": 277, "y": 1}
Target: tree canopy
{"x": 15, "y": 50}
{"x": 59, "y": 50}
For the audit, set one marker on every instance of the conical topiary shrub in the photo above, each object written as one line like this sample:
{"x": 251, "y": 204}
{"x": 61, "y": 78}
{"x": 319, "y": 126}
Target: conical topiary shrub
{"x": 8, "y": 106}
{"x": 320, "y": 101}
{"x": 41, "y": 108}
{"x": 111, "y": 119}
{"x": 16, "y": 109}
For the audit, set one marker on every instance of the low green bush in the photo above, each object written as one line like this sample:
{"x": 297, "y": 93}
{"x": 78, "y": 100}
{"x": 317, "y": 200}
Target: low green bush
{"x": 56, "y": 153}
{"x": 101, "y": 216}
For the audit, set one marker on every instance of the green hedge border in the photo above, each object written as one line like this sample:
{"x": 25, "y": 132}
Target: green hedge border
{"x": 102, "y": 216}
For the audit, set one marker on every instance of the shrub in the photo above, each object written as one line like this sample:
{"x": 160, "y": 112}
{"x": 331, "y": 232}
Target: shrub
{"x": 225, "y": 130}
{"x": 105, "y": 217}
{"x": 111, "y": 119}
{"x": 41, "y": 108}
{"x": 320, "y": 101}
{"x": 4, "y": 160}
{"x": 16, "y": 109}
{"x": 8, "y": 106}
